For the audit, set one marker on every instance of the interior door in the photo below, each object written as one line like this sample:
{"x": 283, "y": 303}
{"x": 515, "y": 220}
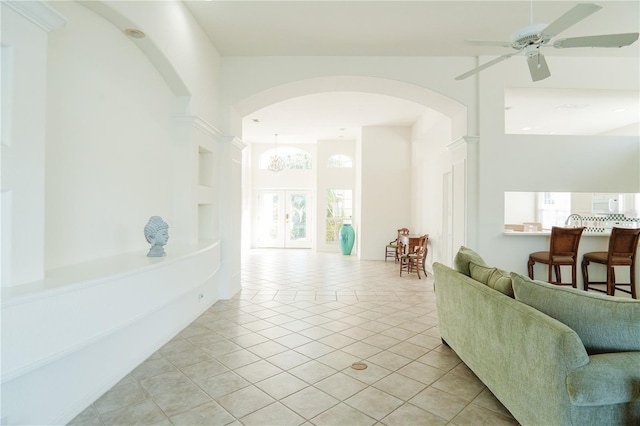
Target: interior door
{"x": 284, "y": 219}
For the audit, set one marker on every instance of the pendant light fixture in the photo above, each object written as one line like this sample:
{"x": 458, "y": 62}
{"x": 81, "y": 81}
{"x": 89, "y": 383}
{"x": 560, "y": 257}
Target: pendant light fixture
{"x": 276, "y": 164}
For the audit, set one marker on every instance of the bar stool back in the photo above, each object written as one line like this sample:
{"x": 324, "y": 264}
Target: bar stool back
{"x": 623, "y": 247}
{"x": 563, "y": 250}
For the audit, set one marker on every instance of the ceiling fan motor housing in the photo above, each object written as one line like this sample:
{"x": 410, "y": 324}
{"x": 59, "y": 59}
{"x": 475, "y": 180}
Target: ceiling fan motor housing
{"x": 529, "y": 35}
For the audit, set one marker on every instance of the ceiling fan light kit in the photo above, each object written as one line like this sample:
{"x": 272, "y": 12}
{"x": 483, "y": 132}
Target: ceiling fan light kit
{"x": 531, "y": 38}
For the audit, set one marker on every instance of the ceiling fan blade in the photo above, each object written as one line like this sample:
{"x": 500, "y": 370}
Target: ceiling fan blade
{"x": 485, "y": 66}
{"x": 606, "y": 40}
{"x": 572, "y": 17}
{"x": 538, "y": 67}
{"x": 488, "y": 43}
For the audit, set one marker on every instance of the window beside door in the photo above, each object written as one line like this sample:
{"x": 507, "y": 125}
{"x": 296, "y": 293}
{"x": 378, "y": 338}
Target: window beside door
{"x": 339, "y": 209}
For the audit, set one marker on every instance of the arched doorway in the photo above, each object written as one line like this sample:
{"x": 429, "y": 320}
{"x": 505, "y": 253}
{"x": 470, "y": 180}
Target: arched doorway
{"x": 420, "y": 179}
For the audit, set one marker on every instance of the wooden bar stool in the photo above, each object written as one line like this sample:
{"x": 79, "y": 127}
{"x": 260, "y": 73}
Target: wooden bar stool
{"x": 623, "y": 247}
{"x": 563, "y": 251}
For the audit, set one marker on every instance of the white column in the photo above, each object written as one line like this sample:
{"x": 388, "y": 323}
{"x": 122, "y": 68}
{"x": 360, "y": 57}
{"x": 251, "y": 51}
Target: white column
{"x": 25, "y": 26}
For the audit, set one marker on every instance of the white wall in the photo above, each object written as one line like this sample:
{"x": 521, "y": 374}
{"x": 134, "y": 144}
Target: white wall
{"x": 109, "y": 142}
{"x": 430, "y": 160}
{"x": 385, "y": 196}
{"x": 599, "y": 163}
{"x": 123, "y": 140}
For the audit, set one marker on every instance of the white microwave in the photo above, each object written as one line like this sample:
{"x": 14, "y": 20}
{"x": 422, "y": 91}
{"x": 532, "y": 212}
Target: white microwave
{"x": 606, "y": 203}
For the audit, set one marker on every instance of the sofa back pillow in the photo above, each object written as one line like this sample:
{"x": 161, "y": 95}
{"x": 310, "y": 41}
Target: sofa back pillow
{"x": 495, "y": 278}
{"x": 604, "y": 323}
{"x": 464, "y": 256}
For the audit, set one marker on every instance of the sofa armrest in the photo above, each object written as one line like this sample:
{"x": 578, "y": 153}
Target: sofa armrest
{"x": 611, "y": 378}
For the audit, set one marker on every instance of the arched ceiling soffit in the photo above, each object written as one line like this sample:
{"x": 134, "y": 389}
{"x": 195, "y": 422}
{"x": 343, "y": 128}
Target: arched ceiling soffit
{"x": 411, "y": 92}
{"x": 147, "y": 45}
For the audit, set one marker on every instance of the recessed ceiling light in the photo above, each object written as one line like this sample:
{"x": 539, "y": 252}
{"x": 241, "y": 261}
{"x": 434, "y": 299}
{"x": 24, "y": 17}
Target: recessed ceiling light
{"x": 573, "y": 106}
{"x": 526, "y": 128}
{"x": 133, "y": 33}
{"x": 619, "y": 110}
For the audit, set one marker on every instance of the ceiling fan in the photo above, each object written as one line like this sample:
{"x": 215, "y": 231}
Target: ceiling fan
{"x": 535, "y": 36}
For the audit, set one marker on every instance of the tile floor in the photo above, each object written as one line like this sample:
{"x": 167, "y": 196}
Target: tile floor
{"x": 280, "y": 353}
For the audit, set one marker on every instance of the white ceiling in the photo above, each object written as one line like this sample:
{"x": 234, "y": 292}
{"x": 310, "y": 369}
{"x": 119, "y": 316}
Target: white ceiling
{"x": 402, "y": 28}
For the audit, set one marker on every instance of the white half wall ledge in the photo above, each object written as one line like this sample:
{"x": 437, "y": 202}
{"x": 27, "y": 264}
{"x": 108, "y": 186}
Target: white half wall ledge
{"x": 89, "y": 325}
{"x": 147, "y": 45}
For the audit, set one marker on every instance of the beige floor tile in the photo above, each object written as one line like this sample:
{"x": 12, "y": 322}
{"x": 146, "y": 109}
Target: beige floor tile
{"x": 165, "y": 382}
{"x": 374, "y": 402}
{"x": 370, "y": 375}
{"x": 293, "y": 340}
{"x": 288, "y": 359}
{"x": 152, "y": 367}
{"x": 267, "y": 349}
{"x": 342, "y": 414}
{"x": 258, "y": 371}
{"x": 439, "y": 403}
{"x": 89, "y": 417}
{"x": 245, "y": 401}
{"x": 309, "y": 402}
{"x": 312, "y": 371}
{"x": 338, "y": 360}
{"x": 274, "y": 414}
{"x": 389, "y": 360}
{"x": 410, "y": 415}
{"x": 340, "y": 386}
{"x": 209, "y": 414}
{"x": 459, "y": 386}
{"x": 441, "y": 360}
{"x": 180, "y": 399}
{"x": 361, "y": 350}
{"x": 409, "y": 350}
{"x": 222, "y": 384}
{"x": 487, "y": 400}
{"x": 145, "y": 412}
{"x": 399, "y": 386}
{"x": 120, "y": 396}
{"x": 282, "y": 385}
{"x": 249, "y": 339}
{"x": 238, "y": 359}
{"x": 314, "y": 349}
{"x": 474, "y": 415}
{"x": 204, "y": 369}
{"x": 422, "y": 372}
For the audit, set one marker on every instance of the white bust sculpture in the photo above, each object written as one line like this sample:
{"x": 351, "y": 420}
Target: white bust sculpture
{"x": 156, "y": 231}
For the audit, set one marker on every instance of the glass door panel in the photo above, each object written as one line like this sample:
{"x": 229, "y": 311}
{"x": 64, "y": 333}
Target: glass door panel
{"x": 283, "y": 220}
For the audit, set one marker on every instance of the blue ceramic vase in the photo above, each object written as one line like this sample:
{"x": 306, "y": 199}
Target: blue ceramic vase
{"x": 347, "y": 238}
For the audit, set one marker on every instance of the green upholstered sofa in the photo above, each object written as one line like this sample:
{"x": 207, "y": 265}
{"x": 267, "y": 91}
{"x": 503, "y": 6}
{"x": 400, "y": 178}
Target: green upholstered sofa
{"x": 551, "y": 355}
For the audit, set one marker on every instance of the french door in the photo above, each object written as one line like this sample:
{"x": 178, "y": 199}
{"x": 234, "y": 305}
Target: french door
{"x": 284, "y": 219}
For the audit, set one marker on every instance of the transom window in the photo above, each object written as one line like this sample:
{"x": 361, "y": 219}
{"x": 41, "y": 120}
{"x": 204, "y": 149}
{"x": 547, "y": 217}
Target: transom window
{"x": 294, "y": 158}
{"x": 339, "y": 160}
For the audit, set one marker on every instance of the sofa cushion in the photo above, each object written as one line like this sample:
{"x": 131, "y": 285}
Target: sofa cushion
{"x": 462, "y": 259}
{"x": 607, "y": 379}
{"x": 604, "y": 323}
{"x": 495, "y": 278}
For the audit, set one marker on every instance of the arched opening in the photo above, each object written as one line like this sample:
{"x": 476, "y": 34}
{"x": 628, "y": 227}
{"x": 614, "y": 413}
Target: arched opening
{"x": 398, "y": 163}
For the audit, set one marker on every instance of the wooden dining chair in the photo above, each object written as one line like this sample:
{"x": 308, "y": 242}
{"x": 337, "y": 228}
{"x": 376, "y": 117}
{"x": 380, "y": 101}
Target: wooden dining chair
{"x": 563, "y": 251}
{"x": 394, "y": 248}
{"x": 415, "y": 258}
{"x": 623, "y": 248}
